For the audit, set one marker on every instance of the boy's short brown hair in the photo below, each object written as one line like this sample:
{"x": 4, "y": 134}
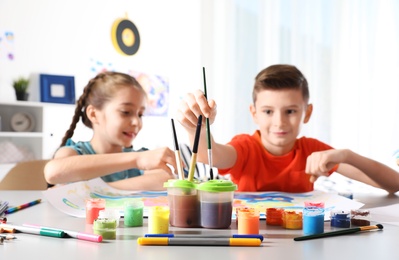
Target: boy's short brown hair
{"x": 280, "y": 76}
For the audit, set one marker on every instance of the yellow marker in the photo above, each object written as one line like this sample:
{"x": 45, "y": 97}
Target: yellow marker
{"x": 165, "y": 241}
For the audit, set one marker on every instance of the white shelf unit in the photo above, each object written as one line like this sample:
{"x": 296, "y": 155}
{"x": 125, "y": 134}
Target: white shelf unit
{"x": 51, "y": 122}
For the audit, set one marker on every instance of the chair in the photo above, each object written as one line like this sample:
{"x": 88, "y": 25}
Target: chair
{"x": 26, "y": 175}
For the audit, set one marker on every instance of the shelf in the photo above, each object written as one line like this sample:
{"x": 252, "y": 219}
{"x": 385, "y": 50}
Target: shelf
{"x": 21, "y": 134}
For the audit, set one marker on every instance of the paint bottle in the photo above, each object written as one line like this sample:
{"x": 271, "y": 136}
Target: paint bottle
{"x": 249, "y": 221}
{"x": 313, "y": 220}
{"x": 340, "y": 218}
{"x": 183, "y": 203}
{"x": 292, "y": 219}
{"x": 158, "y": 220}
{"x": 274, "y": 216}
{"x": 93, "y": 207}
{"x": 360, "y": 217}
{"x": 105, "y": 227}
{"x": 133, "y": 213}
{"x": 216, "y": 203}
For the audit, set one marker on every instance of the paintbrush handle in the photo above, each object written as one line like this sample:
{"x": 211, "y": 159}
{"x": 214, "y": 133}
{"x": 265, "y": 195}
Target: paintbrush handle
{"x": 329, "y": 234}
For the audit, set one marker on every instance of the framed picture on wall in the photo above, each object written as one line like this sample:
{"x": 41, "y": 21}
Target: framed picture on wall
{"x": 57, "y": 89}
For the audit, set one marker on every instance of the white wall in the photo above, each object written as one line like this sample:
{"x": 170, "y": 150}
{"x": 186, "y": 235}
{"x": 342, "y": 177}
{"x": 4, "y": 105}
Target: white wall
{"x": 64, "y": 37}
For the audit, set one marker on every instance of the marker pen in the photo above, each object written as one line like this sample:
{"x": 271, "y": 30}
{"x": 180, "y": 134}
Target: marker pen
{"x": 73, "y": 234}
{"x": 260, "y": 237}
{"x": 36, "y": 231}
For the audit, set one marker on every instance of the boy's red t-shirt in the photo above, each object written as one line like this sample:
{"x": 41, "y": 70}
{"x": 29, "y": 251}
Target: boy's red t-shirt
{"x": 258, "y": 170}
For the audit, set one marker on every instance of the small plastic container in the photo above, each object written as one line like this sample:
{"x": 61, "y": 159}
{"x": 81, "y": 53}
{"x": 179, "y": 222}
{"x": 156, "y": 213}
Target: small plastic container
{"x": 340, "y": 218}
{"x": 158, "y": 220}
{"x": 313, "y": 220}
{"x": 249, "y": 221}
{"x": 274, "y": 216}
{"x": 183, "y": 203}
{"x": 292, "y": 219}
{"x": 93, "y": 207}
{"x": 105, "y": 227}
{"x": 133, "y": 213}
{"x": 216, "y": 203}
{"x": 360, "y": 217}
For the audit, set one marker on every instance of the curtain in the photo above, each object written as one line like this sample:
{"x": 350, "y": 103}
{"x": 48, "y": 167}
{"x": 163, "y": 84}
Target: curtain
{"x": 348, "y": 51}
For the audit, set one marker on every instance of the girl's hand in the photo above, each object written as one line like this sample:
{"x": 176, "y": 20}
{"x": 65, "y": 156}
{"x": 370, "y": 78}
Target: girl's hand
{"x": 159, "y": 158}
{"x": 192, "y": 106}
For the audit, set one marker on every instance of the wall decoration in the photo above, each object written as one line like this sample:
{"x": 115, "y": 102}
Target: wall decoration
{"x": 125, "y": 37}
{"x": 98, "y": 66}
{"x": 157, "y": 89}
{"x": 7, "y": 45}
{"x": 57, "y": 89}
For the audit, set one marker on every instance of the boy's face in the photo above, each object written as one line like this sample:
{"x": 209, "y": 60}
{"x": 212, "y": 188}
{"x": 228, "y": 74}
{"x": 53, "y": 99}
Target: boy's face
{"x": 279, "y": 115}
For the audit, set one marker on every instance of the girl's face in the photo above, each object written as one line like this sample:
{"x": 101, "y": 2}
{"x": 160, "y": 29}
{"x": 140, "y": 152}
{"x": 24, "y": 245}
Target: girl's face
{"x": 120, "y": 120}
{"x": 279, "y": 115}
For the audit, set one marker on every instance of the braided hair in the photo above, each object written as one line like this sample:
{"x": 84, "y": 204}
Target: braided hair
{"x": 97, "y": 92}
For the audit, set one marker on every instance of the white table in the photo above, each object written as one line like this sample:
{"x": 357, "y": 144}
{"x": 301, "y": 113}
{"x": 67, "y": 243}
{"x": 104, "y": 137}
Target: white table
{"x": 278, "y": 242}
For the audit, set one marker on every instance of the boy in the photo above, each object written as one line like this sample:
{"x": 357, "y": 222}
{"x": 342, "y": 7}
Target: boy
{"x": 273, "y": 158}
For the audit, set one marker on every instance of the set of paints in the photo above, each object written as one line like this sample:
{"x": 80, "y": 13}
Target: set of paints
{"x": 106, "y": 221}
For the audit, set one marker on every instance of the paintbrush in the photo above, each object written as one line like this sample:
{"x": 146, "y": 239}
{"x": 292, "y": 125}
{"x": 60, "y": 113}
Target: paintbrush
{"x": 177, "y": 153}
{"x": 195, "y": 150}
{"x": 339, "y": 232}
{"x": 208, "y": 131}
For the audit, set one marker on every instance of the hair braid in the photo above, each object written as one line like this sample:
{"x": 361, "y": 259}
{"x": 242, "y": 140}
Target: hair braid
{"x": 80, "y": 111}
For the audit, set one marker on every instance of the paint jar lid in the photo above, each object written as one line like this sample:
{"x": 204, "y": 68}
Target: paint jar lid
{"x": 179, "y": 184}
{"x": 217, "y": 186}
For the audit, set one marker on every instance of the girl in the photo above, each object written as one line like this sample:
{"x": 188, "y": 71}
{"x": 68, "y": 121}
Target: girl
{"x": 112, "y": 104}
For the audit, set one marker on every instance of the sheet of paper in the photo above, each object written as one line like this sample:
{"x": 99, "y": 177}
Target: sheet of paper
{"x": 388, "y": 214}
{"x": 70, "y": 198}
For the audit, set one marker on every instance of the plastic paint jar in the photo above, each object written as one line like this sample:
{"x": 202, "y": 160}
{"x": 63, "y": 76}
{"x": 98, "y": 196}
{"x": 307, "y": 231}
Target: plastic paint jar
{"x": 360, "y": 217}
{"x": 183, "y": 203}
{"x": 340, "y": 218}
{"x": 216, "y": 203}
{"x": 313, "y": 220}
{"x": 158, "y": 220}
{"x": 105, "y": 227}
{"x": 292, "y": 219}
{"x": 133, "y": 213}
{"x": 274, "y": 216}
{"x": 249, "y": 221}
{"x": 93, "y": 207}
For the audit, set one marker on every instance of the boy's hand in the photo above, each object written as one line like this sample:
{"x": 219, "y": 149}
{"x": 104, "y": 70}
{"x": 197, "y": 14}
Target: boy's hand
{"x": 157, "y": 159}
{"x": 192, "y": 106}
{"x": 320, "y": 163}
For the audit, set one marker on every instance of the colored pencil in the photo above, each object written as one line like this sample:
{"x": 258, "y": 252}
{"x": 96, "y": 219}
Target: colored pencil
{"x": 339, "y": 232}
{"x": 208, "y": 131}
{"x": 167, "y": 241}
{"x": 23, "y": 206}
{"x": 177, "y": 153}
{"x": 195, "y": 150}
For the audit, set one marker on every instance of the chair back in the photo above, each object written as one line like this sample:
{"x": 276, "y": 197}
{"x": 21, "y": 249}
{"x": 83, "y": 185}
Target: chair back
{"x": 26, "y": 175}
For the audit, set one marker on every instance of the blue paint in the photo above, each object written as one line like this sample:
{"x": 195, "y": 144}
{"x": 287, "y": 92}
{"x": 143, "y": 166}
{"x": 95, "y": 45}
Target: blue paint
{"x": 313, "y": 220}
{"x": 340, "y": 219}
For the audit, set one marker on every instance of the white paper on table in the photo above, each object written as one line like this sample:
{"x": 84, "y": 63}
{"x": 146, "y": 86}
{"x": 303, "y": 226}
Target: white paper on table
{"x": 387, "y": 214}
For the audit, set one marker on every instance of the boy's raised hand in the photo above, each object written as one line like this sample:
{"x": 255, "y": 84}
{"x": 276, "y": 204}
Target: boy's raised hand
{"x": 156, "y": 159}
{"x": 192, "y": 106}
{"x": 320, "y": 163}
